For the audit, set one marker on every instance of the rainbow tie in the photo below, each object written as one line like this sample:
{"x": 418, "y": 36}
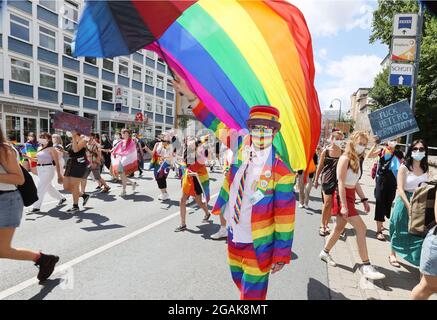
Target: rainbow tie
{"x": 239, "y": 201}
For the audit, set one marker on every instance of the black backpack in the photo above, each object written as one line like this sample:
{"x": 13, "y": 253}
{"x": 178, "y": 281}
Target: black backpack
{"x": 28, "y": 190}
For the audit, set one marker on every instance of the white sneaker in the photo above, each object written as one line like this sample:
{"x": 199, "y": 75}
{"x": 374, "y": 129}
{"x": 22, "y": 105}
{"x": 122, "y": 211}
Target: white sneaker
{"x": 327, "y": 258}
{"x": 164, "y": 196}
{"x": 123, "y": 193}
{"x": 134, "y": 186}
{"x": 370, "y": 272}
{"x": 301, "y": 205}
{"x": 222, "y": 233}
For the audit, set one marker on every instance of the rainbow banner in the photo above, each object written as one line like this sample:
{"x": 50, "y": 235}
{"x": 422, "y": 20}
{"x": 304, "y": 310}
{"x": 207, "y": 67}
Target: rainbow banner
{"x": 233, "y": 54}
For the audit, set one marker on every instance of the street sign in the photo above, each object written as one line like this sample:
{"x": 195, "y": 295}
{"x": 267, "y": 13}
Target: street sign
{"x": 405, "y": 25}
{"x": 403, "y": 49}
{"x": 401, "y": 74}
{"x": 395, "y": 120}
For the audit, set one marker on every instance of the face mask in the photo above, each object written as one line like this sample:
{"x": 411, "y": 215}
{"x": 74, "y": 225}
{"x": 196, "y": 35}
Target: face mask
{"x": 392, "y": 144}
{"x": 103, "y": 139}
{"x": 69, "y": 134}
{"x": 117, "y": 137}
{"x": 42, "y": 141}
{"x": 338, "y": 143}
{"x": 418, "y": 156}
{"x": 262, "y": 138}
{"x": 359, "y": 149}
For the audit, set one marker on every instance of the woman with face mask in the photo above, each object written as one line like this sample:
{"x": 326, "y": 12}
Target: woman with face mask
{"x": 348, "y": 174}
{"x": 411, "y": 174}
{"x": 385, "y": 182}
{"x": 47, "y": 164}
{"x": 327, "y": 168}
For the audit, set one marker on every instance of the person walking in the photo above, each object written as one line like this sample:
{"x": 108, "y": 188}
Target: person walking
{"x": 125, "y": 161}
{"x": 140, "y": 154}
{"x": 59, "y": 147}
{"x": 327, "y": 168}
{"x": 308, "y": 180}
{"x": 411, "y": 174}
{"x": 385, "y": 183}
{"x": 76, "y": 170}
{"x": 96, "y": 159}
{"x": 348, "y": 175}
{"x": 29, "y": 154}
{"x": 11, "y": 212}
{"x": 47, "y": 165}
{"x": 428, "y": 264}
{"x": 195, "y": 180}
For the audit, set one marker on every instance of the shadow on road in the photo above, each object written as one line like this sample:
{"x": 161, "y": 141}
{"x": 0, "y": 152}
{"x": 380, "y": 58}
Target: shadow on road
{"x": 318, "y": 291}
{"x": 47, "y": 287}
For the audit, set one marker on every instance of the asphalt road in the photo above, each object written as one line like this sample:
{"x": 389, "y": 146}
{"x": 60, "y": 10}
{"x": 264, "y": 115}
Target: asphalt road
{"x": 127, "y": 249}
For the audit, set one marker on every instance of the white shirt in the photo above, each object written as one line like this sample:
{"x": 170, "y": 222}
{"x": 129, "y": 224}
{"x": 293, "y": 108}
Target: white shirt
{"x": 412, "y": 182}
{"x": 242, "y": 231}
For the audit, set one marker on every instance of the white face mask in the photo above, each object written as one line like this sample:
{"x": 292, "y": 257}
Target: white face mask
{"x": 359, "y": 149}
{"x": 392, "y": 144}
{"x": 103, "y": 139}
{"x": 69, "y": 134}
{"x": 42, "y": 141}
{"x": 418, "y": 156}
{"x": 338, "y": 143}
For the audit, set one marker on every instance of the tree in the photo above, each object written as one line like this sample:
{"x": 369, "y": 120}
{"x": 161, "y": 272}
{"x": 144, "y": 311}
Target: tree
{"x": 382, "y": 93}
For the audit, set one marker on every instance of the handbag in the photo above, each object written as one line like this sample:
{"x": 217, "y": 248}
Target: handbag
{"x": 28, "y": 190}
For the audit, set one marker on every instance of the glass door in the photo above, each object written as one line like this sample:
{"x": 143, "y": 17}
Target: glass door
{"x": 13, "y": 128}
{"x": 29, "y": 125}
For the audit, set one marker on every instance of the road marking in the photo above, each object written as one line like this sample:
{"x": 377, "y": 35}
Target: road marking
{"x": 25, "y": 284}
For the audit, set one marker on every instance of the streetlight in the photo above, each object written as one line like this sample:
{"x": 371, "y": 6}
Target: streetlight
{"x": 332, "y": 107}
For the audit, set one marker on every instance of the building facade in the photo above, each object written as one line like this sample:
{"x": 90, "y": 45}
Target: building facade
{"x": 39, "y": 76}
{"x": 360, "y": 108}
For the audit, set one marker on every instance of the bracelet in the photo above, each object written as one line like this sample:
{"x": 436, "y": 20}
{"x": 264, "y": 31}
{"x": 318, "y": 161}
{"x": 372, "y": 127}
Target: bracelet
{"x": 280, "y": 263}
{"x": 364, "y": 200}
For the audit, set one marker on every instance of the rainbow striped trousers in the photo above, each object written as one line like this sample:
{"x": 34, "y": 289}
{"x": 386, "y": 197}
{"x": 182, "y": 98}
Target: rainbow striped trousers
{"x": 250, "y": 280}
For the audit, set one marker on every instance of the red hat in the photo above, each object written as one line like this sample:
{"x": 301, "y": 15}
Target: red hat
{"x": 264, "y": 115}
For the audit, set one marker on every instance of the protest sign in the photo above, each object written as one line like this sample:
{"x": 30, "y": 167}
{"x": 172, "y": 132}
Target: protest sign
{"x": 71, "y": 122}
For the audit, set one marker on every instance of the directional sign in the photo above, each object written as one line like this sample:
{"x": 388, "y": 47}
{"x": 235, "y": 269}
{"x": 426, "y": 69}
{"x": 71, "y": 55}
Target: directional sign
{"x": 401, "y": 74}
{"x": 403, "y": 49}
{"x": 405, "y": 25}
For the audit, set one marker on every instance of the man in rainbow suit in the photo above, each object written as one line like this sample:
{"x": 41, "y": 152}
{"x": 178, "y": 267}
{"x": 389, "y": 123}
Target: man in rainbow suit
{"x": 258, "y": 203}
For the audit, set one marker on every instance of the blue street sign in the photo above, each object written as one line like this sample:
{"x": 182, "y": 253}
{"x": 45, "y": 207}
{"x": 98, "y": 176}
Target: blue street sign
{"x": 401, "y": 80}
{"x": 405, "y": 22}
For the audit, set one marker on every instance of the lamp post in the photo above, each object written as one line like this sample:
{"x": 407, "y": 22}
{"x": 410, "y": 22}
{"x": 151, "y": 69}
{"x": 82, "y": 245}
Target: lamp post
{"x": 332, "y": 107}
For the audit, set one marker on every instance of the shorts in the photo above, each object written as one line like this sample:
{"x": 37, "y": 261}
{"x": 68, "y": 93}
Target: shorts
{"x": 428, "y": 258}
{"x": 11, "y": 209}
{"x": 329, "y": 188}
{"x": 76, "y": 170}
{"x": 350, "y": 203}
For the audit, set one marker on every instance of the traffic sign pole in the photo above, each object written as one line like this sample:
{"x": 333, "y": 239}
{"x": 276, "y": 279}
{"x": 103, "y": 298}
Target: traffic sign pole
{"x": 416, "y": 66}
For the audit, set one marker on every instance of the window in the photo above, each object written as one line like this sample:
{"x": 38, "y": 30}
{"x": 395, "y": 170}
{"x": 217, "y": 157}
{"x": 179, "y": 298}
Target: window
{"x": 149, "y": 77}
{"x": 47, "y": 38}
{"x": 49, "y": 4}
{"x": 136, "y": 100}
{"x": 149, "y": 104}
{"x": 70, "y": 13}
{"x": 70, "y": 83}
{"x": 108, "y": 64}
{"x": 169, "y": 86}
{"x": 125, "y": 97}
{"x": 91, "y": 60}
{"x": 90, "y": 89}
{"x": 160, "y": 106}
{"x": 150, "y": 54}
{"x": 107, "y": 93}
{"x": 160, "y": 82}
{"x": 19, "y": 28}
{"x": 136, "y": 73}
{"x": 20, "y": 70}
{"x": 123, "y": 68}
{"x": 67, "y": 46}
{"x": 47, "y": 77}
{"x": 169, "y": 109}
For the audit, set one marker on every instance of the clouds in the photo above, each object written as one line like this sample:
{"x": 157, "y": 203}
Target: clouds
{"x": 329, "y": 17}
{"x": 343, "y": 77}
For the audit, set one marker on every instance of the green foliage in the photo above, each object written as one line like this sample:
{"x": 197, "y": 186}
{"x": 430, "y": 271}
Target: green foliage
{"x": 382, "y": 93}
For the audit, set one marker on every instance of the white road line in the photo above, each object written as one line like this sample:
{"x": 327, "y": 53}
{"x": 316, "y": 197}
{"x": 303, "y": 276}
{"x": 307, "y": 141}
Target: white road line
{"x": 25, "y": 284}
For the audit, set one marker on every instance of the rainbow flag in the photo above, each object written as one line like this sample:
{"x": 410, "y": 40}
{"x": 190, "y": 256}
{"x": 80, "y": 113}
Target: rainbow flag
{"x": 395, "y": 163}
{"x": 233, "y": 54}
{"x": 201, "y": 175}
{"x": 31, "y": 149}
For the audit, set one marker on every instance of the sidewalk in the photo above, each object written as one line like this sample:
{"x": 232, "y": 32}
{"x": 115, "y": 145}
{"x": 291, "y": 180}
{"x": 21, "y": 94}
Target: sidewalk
{"x": 346, "y": 281}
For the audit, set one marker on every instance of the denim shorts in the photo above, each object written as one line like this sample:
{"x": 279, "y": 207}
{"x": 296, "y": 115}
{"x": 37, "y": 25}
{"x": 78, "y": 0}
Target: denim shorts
{"x": 11, "y": 209}
{"x": 428, "y": 259}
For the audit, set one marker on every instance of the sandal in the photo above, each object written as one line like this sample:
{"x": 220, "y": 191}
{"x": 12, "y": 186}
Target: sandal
{"x": 323, "y": 232}
{"x": 206, "y": 217}
{"x": 380, "y": 236}
{"x": 394, "y": 262}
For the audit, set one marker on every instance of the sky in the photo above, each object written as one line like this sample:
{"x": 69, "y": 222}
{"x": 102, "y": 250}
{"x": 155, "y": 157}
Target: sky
{"x": 345, "y": 60}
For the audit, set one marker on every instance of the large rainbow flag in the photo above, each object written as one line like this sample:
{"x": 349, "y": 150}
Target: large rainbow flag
{"x": 233, "y": 54}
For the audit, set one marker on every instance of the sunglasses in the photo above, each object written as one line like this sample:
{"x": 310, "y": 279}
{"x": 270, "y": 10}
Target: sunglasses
{"x": 421, "y": 149}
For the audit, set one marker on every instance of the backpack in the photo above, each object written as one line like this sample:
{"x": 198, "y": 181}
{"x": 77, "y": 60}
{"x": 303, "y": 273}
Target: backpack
{"x": 421, "y": 215}
{"x": 28, "y": 190}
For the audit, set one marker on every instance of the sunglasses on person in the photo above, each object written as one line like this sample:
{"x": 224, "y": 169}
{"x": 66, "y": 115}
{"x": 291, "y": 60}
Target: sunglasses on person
{"x": 421, "y": 149}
